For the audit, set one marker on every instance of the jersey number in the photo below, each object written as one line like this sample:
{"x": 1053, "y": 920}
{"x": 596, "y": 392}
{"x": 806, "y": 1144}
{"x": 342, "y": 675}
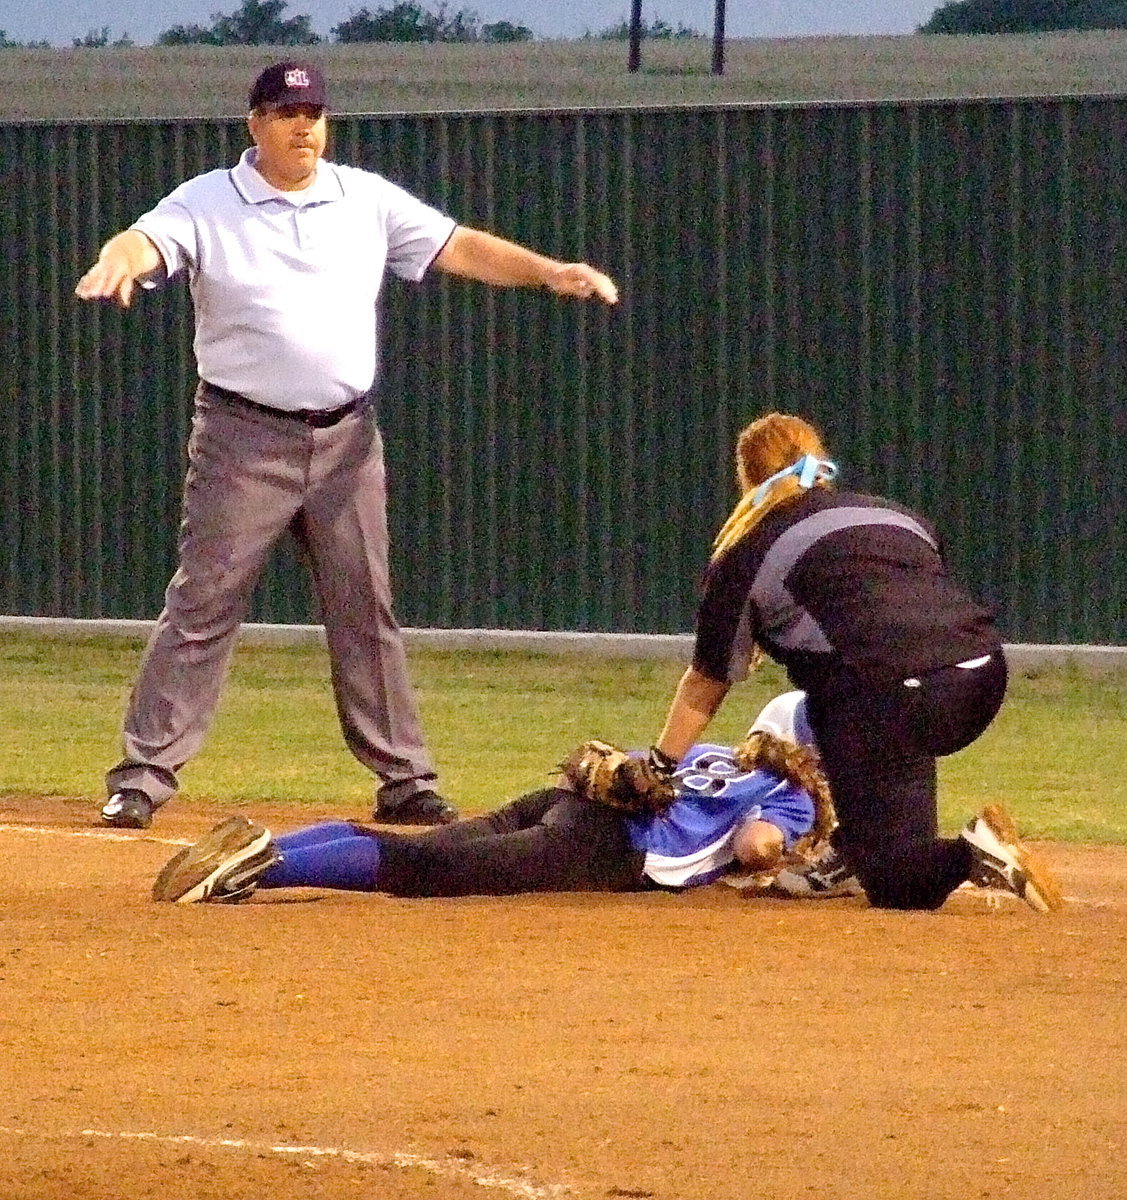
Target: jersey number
{"x": 709, "y": 775}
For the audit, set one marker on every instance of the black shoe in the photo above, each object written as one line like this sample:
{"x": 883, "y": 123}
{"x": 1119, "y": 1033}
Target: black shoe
{"x": 423, "y": 808}
{"x": 128, "y": 809}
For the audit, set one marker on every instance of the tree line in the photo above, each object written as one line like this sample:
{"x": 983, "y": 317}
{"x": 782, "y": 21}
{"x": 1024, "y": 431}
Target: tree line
{"x": 263, "y": 23}
{"x": 1026, "y": 16}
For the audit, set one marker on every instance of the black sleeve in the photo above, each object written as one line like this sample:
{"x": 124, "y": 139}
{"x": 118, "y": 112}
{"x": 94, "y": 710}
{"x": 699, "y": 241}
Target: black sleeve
{"x": 726, "y": 628}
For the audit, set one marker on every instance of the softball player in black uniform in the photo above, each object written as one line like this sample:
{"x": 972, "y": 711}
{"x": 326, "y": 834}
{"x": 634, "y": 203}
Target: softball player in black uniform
{"x": 851, "y": 594}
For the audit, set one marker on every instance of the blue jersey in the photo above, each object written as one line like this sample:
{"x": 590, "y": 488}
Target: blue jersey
{"x": 691, "y": 844}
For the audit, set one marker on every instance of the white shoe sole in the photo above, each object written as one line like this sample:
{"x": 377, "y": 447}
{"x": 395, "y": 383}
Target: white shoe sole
{"x": 191, "y": 875}
{"x": 798, "y": 887}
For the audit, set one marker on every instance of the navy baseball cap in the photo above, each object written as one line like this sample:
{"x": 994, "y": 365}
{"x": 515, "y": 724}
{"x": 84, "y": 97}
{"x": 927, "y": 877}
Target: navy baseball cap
{"x": 289, "y": 83}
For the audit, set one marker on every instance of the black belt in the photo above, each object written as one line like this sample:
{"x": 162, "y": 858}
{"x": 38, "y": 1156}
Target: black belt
{"x": 317, "y": 418}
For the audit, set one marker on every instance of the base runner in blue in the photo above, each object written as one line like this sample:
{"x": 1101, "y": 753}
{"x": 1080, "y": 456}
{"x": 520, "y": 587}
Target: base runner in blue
{"x": 725, "y": 818}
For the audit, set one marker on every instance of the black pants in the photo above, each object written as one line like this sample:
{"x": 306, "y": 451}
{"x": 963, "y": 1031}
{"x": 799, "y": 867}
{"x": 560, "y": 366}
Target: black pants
{"x": 546, "y": 841}
{"x": 878, "y": 750}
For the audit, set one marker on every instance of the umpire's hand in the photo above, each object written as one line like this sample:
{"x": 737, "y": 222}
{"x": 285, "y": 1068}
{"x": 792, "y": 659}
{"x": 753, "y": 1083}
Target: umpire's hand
{"x": 123, "y": 260}
{"x": 583, "y": 281}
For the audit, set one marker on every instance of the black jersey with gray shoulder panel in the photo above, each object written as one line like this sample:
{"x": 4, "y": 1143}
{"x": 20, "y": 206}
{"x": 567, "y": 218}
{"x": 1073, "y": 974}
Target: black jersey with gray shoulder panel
{"x": 838, "y": 583}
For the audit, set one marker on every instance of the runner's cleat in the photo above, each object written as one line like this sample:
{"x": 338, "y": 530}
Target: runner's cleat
{"x": 223, "y": 867}
{"x": 823, "y": 877}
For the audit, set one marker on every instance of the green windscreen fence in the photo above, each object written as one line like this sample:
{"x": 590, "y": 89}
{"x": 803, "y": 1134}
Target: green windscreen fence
{"x": 939, "y": 285}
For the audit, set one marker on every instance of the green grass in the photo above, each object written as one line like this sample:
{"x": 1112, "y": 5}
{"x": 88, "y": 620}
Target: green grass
{"x": 497, "y": 722}
{"x": 166, "y": 81}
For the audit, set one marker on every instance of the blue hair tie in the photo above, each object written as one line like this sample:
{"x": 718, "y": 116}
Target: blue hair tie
{"x": 809, "y": 470}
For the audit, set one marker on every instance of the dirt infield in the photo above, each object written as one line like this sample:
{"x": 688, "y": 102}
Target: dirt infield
{"x": 318, "y": 1046}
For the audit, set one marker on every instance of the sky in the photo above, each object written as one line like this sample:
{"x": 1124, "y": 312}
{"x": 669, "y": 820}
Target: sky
{"x": 60, "y": 21}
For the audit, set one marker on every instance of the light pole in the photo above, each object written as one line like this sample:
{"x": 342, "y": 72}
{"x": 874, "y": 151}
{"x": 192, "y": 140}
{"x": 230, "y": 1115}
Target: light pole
{"x": 634, "y": 56}
{"x": 718, "y": 40}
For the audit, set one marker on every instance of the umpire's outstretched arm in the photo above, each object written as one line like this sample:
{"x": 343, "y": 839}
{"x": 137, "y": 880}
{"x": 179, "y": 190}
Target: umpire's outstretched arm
{"x": 475, "y": 254}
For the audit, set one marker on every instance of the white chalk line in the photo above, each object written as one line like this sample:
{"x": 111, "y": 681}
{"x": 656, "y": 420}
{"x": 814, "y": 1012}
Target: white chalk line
{"x": 100, "y": 835}
{"x": 450, "y": 1168}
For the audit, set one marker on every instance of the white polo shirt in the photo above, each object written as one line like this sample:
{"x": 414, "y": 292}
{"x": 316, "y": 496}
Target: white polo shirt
{"x": 285, "y": 284}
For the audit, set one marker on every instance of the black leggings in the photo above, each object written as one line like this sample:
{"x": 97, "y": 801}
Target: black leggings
{"x": 878, "y": 750}
{"x": 546, "y": 841}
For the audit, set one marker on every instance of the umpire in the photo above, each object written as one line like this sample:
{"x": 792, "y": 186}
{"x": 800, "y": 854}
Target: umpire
{"x": 285, "y": 254}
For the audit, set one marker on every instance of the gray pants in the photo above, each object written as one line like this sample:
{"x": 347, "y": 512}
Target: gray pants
{"x": 251, "y": 476}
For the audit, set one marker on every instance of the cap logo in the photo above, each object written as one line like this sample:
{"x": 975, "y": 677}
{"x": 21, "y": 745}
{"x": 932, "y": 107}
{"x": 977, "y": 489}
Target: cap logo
{"x": 297, "y": 78}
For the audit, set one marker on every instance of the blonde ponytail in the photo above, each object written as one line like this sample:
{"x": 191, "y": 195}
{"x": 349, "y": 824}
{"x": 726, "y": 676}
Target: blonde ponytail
{"x": 777, "y": 458}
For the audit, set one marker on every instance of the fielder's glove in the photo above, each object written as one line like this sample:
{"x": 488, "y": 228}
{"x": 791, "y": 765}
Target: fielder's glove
{"x": 607, "y": 774}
